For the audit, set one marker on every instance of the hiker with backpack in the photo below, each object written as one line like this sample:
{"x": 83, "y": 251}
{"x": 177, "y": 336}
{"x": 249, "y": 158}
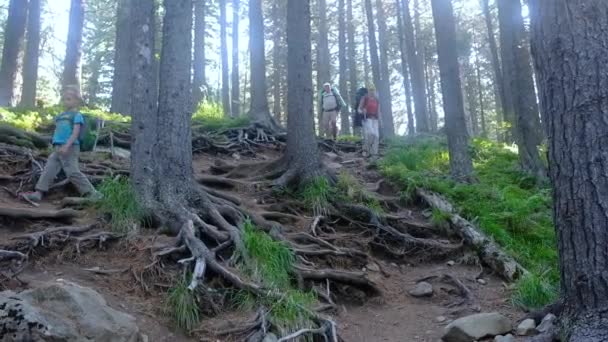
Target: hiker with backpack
{"x": 331, "y": 103}
{"x": 66, "y": 146}
{"x": 370, "y": 107}
{"x": 358, "y": 116}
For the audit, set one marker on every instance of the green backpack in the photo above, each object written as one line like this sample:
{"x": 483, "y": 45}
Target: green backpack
{"x": 88, "y": 132}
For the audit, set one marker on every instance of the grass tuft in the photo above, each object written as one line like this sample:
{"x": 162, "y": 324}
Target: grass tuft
{"x": 210, "y": 117}
{"x": 351, "y": 190}
{"x": 508, "y": 205}
{"x": 534, "y": 292}
{"x": 120, "y": 203}
{"x": 182, "y": 306}
{"x": 316, "y": 195}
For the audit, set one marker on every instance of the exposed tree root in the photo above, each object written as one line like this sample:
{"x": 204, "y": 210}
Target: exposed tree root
{"x": 38, "y": 214}
{"x": 357, "y": 279}
{"x": 12, "y": 255}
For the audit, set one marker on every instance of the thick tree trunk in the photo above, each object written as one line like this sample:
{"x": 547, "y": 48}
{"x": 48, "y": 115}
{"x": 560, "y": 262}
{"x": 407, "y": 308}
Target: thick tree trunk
{"x": 276, "y": 62}
{"x": 387, "y": 126}
{"x": 32, "y": 55}
{"x": 499, "y": 89}
{"x": 324, "y": 62}
{"x": 224, "y": 52}
{"x": 302, "y": 155}
{"x": 92, "y": 88}
{"x": 144, "y": 102}
{"x": 461, "y": 165}
{"x": 352, "y": 53}
{"x": 569, "y": 45}
{"x": 366, "y": 60}
{"x": 11, "y": 52}
{"x": 236, "y": 82}
{"x": 121, "y": 86}
{"x": 344, "y": 114}
{"x": 259, "y": 111}
{"x": 199, "y": 80}
{"x": 372, "y": 44}
{"x": 416, "y": 67}
{"x": 520, "y": 86}
{"x": 72, "y": 65}
{"x": 405, "y": 71}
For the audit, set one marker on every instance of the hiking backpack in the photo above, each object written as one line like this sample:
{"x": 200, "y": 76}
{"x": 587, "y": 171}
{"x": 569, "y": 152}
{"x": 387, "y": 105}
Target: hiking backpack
{"x": 89, "y": 129}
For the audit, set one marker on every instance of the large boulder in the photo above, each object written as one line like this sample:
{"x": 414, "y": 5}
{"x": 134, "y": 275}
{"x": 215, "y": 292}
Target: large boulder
{"x": 63, "y": 312}
{"x": 476, "y": 327}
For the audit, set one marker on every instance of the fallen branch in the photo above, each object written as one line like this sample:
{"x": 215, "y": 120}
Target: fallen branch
{"x": 11, "y": 255}
{"x": 357, "y": 279}
{"x": 489, "y": 252}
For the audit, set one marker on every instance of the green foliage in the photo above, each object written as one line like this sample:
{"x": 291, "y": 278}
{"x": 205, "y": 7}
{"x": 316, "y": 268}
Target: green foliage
{"x": 119, "y": 201}
{"x": 315, "y": 195}
{"x": 508, "y": 205}
{"x": 349, "y": 138}
{"x": 33, "y": 119}
{"x": 182, "y": 305}
{"x": 270, "y": 263}
{"x": 210, "y": 117}
{"x": 439, "y": 217}
{"x": 534, "y": 292}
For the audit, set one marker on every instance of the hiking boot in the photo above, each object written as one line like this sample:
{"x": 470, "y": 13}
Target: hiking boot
{"x": 34, "y": 196}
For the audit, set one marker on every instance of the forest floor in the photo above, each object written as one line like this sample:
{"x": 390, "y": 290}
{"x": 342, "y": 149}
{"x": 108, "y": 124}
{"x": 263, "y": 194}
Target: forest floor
{"x": 116, "y": 267}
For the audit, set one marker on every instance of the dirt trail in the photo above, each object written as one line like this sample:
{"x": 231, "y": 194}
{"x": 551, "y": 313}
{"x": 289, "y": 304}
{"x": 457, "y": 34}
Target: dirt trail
{"x": 394, "y": 316}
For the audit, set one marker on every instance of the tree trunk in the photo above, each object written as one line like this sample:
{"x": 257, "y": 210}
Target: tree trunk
{"x": 324, "y": 62}
{"x": 224, "y": 52}
{"x": 520, "y": 86}
{"x": 11, "y": 52}
{"x": 366, "y": 58}
{"x": 373, "y": 45}
{"x": 236, "y": 87}
{"x": 387, "y": 126}
{"x": 259, "y": 111}
{"x": 461, "y": 165}
{"x": 121, "y": 86}
{"x": 482, "y": 109}
{"x": 92, "y": 89}
{"x": 276, "y": 62}
{"x": 499, "y": 89}
{"x": 352, "y": 53}
{"x": 416, "y": 67}
{"x": 72, "y": 68}
{"x": 32, "y": 55}
{"x": 404, "y": 70}
{"x": 144, "y": 107}
{"x": 569, "y": 46}
{"x": 344, "y": 113}
{"x": 432, "y": 109}
{"x": 199, "y": 82}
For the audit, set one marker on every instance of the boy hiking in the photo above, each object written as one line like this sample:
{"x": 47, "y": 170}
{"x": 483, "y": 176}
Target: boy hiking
{"x": 66, "y": 146}
{"x": 331, "y": 102}
{"x": 370, "y": 107}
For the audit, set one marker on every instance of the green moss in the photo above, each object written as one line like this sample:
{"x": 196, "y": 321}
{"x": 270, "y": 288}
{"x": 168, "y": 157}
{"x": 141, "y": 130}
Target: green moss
{"x": 209, "y": 116}
{"x": 508, "y": 205}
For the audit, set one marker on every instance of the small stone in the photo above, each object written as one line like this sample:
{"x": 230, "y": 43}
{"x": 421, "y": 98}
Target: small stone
{"x": 451, "y": 263}
{"x": 394, "y": 264}
{"x": 440, "y": 319}
{"x": 482, "y": 281}
{"x": 527, "y": 327}
{"x": 476, "y": 327}
{"x": 270, "y": 338}
{"x": 372, "y": 266}
{"x": 422, "y": 289}
{"x": 506, "y": 338}
{"x": 547, "y": 324}
{"x": 236, "y": 156}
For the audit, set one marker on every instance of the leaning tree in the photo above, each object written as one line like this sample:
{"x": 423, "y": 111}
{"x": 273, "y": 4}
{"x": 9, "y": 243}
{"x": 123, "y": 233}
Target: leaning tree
{"x": 13, "y": 44}
{"x": 569, "y": 43}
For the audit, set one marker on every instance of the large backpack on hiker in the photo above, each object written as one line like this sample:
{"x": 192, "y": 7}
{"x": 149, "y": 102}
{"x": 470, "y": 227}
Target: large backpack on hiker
{"x": 335, "y": 105}
{"x": 89, "y": 130}
{"x": 358, "y": 116}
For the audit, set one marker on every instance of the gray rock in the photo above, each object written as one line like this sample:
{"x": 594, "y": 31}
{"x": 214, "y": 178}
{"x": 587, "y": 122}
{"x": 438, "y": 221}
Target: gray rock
{"x": 270, "y": 338}
{"x": 547, "y": 324}
{"x": 475, "y": 327}
{"x": 506, "y": 338}
{"x": 372, "y": 266}
{"x": 451, "y": 263}
{"x": 526, "y": 328}
{"x": 482, "y": 281}
{"x": 440, "y": 319}
{"x": 422, "y": 289}
{"x": 63, "y": 311}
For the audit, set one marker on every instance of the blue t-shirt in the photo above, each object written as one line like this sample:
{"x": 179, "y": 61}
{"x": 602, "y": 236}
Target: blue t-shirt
{"x": 64, "y": 124}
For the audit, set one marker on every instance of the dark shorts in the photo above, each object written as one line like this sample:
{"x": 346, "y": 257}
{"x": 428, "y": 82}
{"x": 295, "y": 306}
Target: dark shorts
{"x": 358, "y": 120}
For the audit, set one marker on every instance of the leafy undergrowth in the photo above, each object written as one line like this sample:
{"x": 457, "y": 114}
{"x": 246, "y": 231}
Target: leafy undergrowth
{"x": 210, "y": 117}
{"x": 270, "y": 263}
{"x": 33, "y": 119}
{"x": 120, "y": 204}
{"x": 506, "y": 204}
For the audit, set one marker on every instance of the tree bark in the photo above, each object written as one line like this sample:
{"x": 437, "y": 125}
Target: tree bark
{"x": 416, "y": 67}
{"x": 121, "y": 89}
{"x": 482, "y": 109}
{"x": 520, "y": 86}
{"x": 11, "y": 52}
{"x": 432, "y": 105}
{"x": 72, "y": 68}
{"x": 373, "y": 45}
{"x": 224, "y": 53}
{"x": 236, "y": 82}
{"x": 352, "y": 60}
{"x": 569, "y": 42}
{"x": 259, "y": 111}
{"x": 92, "y": 88}
{"x": 32, "y": 55}
{"x": 344, "y": 113}
{"x": 276, "y": 62}
{"x": 405, "y": 71}
{"x": 461, "y": 165}
{"x": 366, "y": 62}
{"x": 199, "y": 80}
{"x": 387, "y": 125}
{"x": 324, "y": 62}
{"x": 501, "y": 102}
{"x": 144, "y": 106}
